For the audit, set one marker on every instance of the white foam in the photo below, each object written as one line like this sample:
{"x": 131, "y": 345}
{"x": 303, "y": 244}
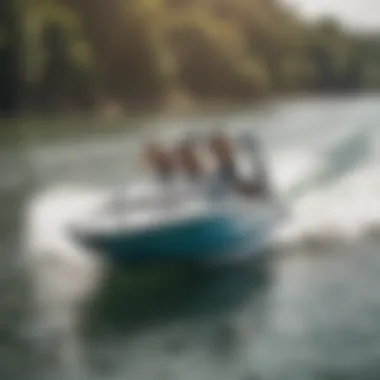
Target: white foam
{"x": 346, "y": 209}
{"x": 62, "y": 271}
{"x": 290, "y": 167}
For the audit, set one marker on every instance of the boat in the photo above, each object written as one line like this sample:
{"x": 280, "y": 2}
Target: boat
{"x": 149, "y": 222}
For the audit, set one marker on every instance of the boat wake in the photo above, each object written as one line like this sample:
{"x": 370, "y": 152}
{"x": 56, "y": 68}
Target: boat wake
{"x": 338, "y": 200}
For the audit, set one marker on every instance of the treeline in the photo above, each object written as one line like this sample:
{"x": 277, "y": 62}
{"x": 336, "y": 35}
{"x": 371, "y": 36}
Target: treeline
{"x": 81, "y": 54}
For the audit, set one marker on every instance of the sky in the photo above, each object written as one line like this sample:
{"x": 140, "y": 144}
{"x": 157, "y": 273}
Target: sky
{"x": 355, "y": 14}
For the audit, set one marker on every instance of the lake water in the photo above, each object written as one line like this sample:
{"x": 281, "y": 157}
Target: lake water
{"x": 312, "y": 314}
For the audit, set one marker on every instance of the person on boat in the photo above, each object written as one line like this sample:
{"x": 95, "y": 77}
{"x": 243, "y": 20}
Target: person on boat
{"x": 160, "y": 161}
{"x": 189, "y": 160}
{"x": 261, "y": 179}
{"x": 227, "y": 177}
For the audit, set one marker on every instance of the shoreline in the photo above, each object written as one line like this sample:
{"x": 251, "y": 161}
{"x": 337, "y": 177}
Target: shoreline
{"x": 189, "y": 109}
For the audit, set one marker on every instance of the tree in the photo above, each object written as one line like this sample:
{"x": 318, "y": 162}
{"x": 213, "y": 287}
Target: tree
{"x": 10, "y": 81}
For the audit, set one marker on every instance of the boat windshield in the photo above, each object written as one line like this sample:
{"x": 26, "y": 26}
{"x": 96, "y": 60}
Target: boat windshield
{"x": 153, "y": 195}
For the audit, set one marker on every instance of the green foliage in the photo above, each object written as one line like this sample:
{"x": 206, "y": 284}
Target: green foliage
{"x": 37, "y": 17}
{"x": 3, "y": 38}
{"x": 137, "y": 51}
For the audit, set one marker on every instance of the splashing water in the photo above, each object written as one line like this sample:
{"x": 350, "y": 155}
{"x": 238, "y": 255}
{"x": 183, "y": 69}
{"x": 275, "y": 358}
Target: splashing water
{"x": 339, "y": 199}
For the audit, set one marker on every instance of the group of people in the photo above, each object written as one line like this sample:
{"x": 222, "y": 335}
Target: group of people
{"x": 186, "y": 159}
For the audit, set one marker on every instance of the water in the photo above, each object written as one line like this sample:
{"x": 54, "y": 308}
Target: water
{"x": 311, "y": 314}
